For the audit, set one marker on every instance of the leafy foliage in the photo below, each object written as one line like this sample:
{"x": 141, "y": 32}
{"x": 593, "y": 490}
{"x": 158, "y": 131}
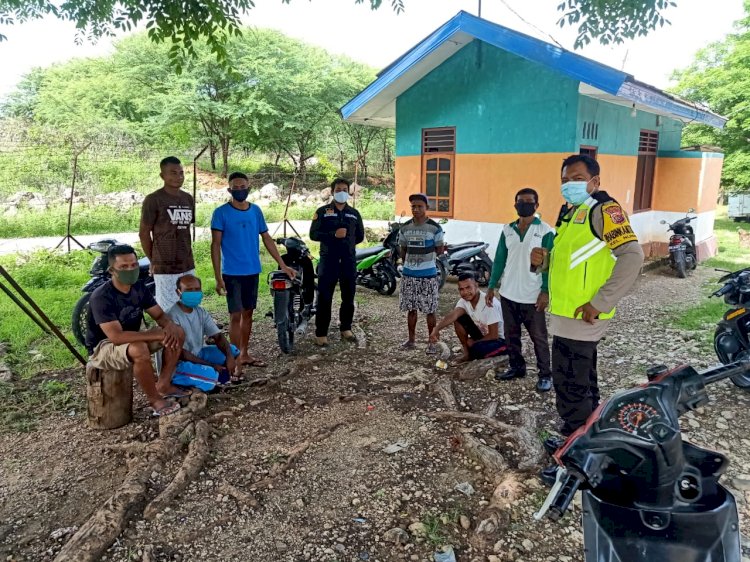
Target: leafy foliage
{"x": 720, "y": 78}
{"x": 180, "y": 23}
{"x": 613, "y": 21}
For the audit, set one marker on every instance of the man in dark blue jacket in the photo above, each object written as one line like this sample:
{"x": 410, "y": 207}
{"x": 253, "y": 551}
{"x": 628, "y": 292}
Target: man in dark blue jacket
{"x": 339, "y": 228}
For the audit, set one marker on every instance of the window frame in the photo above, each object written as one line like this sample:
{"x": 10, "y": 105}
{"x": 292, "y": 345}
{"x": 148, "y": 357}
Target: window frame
{"x": 451, "y": 157}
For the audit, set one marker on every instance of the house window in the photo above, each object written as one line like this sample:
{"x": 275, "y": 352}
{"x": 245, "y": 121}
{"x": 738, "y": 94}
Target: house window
{"x": 648, "y": 144}
{"x": 438, "y": 169}
{"x": 589, "y": 151}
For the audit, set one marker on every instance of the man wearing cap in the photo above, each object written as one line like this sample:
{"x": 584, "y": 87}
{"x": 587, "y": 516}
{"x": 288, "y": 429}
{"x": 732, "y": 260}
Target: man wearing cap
{"x": 419, "y": 239}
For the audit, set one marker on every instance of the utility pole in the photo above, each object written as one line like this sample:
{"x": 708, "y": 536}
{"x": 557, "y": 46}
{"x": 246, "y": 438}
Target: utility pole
{"x": 479, "y": 10}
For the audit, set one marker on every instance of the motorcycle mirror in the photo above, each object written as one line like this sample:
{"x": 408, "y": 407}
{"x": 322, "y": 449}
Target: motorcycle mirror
{"x": 691, "y": 210}
{"x": 662, "y": 221}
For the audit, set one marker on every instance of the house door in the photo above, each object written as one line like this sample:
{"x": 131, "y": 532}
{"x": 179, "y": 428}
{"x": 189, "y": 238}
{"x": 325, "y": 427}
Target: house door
{"x": 644, "y": 175}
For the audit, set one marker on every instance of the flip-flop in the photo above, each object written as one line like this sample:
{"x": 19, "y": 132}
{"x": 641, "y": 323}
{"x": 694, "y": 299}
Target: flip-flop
{"x": 236, "y": 379}
{"x": 408, "y": 345}
{"x": 167, "y": 410}
{"x": 255, "y": 362}
{"x": 179, "y": 395}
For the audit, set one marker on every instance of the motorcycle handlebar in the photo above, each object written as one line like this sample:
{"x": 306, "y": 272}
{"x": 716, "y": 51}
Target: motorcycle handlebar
{"x": 716, "y": 374}
{"x": 566, "y": 494}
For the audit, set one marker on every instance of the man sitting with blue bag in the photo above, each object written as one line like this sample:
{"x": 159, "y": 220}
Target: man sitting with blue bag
{"x": 202, "y": 366}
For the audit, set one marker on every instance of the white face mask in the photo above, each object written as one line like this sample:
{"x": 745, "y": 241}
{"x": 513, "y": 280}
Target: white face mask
{"x": 341, "y": 197}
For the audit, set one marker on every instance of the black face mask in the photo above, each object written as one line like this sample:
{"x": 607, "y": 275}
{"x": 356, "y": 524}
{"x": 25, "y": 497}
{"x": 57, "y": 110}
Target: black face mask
{"x": 525, "y": 209}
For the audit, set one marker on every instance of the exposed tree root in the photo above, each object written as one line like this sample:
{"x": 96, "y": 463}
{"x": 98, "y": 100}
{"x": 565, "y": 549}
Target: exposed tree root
{"x": 96, "y": 535}
{"x": 479, "y": 368}
{"x": 242, "y": 497}
{"x": 191, "y": 466}
{"x": 443, "y": 387}
{"x": 293, "y": 455}
{"x": 496, "y": 515}
{"x": 487, "y": 456}
{"x": 490, "y": 409}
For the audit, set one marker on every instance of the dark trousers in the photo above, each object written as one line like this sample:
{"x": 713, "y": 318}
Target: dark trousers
{"x": 574, "y": 377}
{"x": 515, "y": 315}
{"x": 334, "y": 270}
{"x": 480, "y": 349}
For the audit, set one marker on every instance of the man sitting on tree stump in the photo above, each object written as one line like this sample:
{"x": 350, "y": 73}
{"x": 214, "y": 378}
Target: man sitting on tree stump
{"x": 114, "y": 340}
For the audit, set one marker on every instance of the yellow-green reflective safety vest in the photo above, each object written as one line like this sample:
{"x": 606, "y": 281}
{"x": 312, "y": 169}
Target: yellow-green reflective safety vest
{"x": 580, "y": 263}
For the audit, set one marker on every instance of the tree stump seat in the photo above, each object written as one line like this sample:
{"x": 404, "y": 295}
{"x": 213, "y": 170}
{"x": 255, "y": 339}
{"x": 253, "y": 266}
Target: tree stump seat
{"x": 109, "y": 397}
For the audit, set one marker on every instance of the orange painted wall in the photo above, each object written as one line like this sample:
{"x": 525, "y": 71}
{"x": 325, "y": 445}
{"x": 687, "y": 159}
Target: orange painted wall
{"x": 618, "y": 177}
{"x": 679, "y": 184}
{"x": 485, "y": 184}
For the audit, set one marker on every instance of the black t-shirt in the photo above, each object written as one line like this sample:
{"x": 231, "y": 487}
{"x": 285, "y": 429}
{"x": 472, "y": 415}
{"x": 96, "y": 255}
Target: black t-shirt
{"x": 108, "y": 304}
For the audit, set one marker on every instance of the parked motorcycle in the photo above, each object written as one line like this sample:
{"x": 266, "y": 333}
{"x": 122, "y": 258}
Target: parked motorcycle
{"x": 732, "y": 335}
{"x": 293, "y": 299}
{"x": 390, "y": 242}
{"x": 474, "y": 260}
{"x": 647, "y": 494}
{"x": 100, "y": 275}
{"x": 682, "y": 253}
{"x": 375, "y": 270}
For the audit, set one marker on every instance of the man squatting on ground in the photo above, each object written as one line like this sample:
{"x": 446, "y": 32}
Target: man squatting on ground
{"x": 594, "y": 261}
{"x": 114, "y": 340}
{"x": 166, "y": 216}
{"x": 523, "y": 293}
{"x": 198, "y": 359}
{"x": 478, "y": 324}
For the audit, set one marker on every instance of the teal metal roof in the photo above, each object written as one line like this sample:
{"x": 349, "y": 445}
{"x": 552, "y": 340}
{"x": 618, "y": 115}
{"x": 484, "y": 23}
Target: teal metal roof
{"x": 377, "y": 98}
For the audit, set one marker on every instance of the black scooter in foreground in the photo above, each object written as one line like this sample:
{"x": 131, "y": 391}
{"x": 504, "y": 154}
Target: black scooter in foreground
{"x": 648, "y": 495}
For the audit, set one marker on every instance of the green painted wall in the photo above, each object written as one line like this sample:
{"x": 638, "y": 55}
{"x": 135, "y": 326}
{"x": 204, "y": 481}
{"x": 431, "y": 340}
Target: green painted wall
{"x": 498, "y": 102}
{"x": 618, "y": 130}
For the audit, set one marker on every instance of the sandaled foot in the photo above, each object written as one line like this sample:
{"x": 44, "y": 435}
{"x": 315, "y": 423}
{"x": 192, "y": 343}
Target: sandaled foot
{"x": 407, "y": 345}
{"x": 432, "y": 349}
{"x": 177, "y": 393}
{"x": 167, "y": 409}
{"x": 462, "y": 359}
{"x": 253, "y": 362}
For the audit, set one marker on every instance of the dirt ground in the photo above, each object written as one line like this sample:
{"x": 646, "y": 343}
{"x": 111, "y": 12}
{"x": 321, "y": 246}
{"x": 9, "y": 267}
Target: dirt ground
{"x": 339, "y": 501}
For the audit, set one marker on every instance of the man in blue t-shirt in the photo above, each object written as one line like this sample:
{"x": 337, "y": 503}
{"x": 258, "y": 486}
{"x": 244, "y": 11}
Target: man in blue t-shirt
{"x": 235, "y": 254}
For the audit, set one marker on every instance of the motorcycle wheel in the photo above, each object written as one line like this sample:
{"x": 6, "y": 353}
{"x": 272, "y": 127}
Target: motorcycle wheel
{"x": 80, "y": 318}
{"x": 442, "y": 273}
{"x": 284, "y": 328}
{"x": 483, "y": 273}
{"x": 387, "y": 282}
{"x": 681, "y": 268}
{"x": 742, "y": 381}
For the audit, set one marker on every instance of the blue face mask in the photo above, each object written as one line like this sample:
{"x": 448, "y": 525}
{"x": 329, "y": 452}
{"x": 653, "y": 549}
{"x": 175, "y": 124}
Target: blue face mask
{"x": 191, "y": 299}
{"x": 574, "y": 192}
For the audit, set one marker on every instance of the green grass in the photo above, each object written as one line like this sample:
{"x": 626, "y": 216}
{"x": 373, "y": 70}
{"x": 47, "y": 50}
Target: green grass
{"x": 104, "y": 220}
{"x": 730, "y": 255}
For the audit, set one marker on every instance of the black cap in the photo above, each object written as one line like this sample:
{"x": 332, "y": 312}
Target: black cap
{"x": 420, "y": 196}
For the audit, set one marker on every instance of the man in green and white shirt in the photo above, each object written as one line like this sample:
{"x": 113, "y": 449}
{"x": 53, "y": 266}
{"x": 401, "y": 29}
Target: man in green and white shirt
{"x": 523, "y": 294}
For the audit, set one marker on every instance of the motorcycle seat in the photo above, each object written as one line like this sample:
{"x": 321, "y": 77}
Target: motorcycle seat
{"x": 462, "y": 246}
{"x": 367, "y": 252}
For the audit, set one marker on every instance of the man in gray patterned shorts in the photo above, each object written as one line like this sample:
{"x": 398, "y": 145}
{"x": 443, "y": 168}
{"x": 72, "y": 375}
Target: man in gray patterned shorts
{"x": 419, "y": 240}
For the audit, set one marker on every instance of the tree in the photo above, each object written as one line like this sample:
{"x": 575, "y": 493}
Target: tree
{"x": 183, "y": 23}
{"x": 720, "y": 78}
{"x": 613, "y": 21}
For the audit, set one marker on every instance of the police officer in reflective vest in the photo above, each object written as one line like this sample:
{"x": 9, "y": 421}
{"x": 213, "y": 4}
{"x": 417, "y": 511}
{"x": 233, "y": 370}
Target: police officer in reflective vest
{"x": 339, "y": 228}
{"x": 594, "y": 261}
